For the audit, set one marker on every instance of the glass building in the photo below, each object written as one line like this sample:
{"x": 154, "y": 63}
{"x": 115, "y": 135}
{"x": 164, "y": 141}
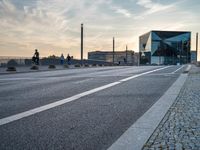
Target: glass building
{"x": 165, "y": 47}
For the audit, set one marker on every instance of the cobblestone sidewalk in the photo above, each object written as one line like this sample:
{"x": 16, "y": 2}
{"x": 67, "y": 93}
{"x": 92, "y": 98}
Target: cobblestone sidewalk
{"x": 180, "y": 128}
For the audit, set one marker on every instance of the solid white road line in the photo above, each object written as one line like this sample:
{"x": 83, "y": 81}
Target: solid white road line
{"x": 64, "y": 101}
{"x": 82, "y": 81}
{"x": 178, "y": 69}
{"x": 135, "y": 76}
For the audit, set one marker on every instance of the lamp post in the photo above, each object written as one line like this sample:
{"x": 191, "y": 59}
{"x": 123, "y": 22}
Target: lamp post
{"x": 197, "y": 40}
{"x": 126, "y": 54}
{"x": 81, "y": 44}
{"x": 113, "y": 50}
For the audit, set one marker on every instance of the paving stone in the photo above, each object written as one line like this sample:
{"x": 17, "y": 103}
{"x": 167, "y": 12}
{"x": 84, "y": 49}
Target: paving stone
{"x": 180, "y": 128}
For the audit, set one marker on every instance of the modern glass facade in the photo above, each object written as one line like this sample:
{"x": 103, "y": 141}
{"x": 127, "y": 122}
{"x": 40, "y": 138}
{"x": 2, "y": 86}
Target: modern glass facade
{"x": 165, "y": 47}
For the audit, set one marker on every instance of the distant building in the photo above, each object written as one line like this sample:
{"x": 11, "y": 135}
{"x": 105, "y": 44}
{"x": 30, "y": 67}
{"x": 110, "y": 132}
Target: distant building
{"x": 107, "y": 56}
{"x": 165, "y": 47}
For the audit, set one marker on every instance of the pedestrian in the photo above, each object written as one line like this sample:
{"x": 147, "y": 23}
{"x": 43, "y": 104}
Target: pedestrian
{"x": 68, "y": 60}
{"x": 36, "y": 57}
{"x": 62, "y": 58}
{"x": 125, "y": 60}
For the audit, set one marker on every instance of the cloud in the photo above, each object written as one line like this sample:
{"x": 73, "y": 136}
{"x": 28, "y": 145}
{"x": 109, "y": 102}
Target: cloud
{"x": 153, "y": 7}
{"x": 53, "y": 26}
{"x": 124, "y": 12}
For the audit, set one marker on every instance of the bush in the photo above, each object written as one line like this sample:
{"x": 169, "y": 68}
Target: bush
{"x": 52, "y": 67}
{"x": 100, "y": 65}
{"x": 34, "y": 67}
{"x": 94, "y": 65}
{"x": 11, "y": 69}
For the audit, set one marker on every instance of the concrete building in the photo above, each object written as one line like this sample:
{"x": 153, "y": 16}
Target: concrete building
{"x": 119, "y": 56}
{"x": 165, "y": 47}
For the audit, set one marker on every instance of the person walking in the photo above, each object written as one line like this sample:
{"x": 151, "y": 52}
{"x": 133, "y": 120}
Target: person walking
{"x": 36, "y": 57}
{"x": 68, "y": 60}
{"x": 62, "y": 58}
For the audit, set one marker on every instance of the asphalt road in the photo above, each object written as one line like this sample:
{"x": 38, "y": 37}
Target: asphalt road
{"x": 94, "y": 121}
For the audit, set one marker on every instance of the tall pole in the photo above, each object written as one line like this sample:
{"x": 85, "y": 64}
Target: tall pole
{"x": 81, "y": 44}
{"x": 113, "y": 50}
{"x": 197, "y": 40}
{"x": 178, "y": 47}
{"x": 126, "y": 54}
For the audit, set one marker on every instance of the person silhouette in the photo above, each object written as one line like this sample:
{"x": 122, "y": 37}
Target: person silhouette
{"x": 68, "y": 59}
{"x": 36, "y": 55}
{"x": 62, "y": 58}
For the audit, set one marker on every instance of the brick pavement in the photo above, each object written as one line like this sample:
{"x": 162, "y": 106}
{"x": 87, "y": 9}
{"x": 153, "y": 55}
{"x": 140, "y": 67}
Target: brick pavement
{"x": 180, "y": 128}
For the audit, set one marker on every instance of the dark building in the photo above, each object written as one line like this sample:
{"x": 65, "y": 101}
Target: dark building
{"x": 165, "y": 47}
{"x": 107, "y": 56}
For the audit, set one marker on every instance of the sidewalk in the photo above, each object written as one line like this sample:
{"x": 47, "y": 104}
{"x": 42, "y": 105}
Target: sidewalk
{"x": 180, "y": 128}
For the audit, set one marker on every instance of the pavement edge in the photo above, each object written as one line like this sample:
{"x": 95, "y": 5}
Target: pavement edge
{"x": 137, "y": 135}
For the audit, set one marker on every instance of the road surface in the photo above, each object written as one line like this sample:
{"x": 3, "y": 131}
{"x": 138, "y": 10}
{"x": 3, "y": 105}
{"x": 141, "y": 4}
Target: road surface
{"x": 85, "y": 109}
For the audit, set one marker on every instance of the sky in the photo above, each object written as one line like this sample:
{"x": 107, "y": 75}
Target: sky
{"x": 53, "y": 26}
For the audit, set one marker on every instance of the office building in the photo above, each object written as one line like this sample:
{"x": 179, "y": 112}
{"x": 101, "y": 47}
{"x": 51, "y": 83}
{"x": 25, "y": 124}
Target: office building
{"x": 107, "y": 56}
{"x": 165, "y": 47}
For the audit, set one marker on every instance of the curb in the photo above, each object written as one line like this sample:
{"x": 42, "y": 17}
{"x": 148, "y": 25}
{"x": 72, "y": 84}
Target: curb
{"x": 137, "y": 135}
{"x": 30, "y": 71}
{"x": 34, "y": 71}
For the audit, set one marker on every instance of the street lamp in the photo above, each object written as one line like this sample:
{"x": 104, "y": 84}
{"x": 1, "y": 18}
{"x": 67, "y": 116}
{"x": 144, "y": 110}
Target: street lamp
{"x": 113, "y": 50}
{"x": 81, "y": 44}
{"x": 197, "y": 39}
{"x": 126, "y": 54}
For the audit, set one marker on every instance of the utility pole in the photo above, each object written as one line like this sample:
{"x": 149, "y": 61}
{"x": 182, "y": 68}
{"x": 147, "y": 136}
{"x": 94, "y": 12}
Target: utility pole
{"x": 197, "y": 40}
{"x": 113, "y": 50}
{"x": 126, "y": 54}
{"x": 81, "y": 44}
